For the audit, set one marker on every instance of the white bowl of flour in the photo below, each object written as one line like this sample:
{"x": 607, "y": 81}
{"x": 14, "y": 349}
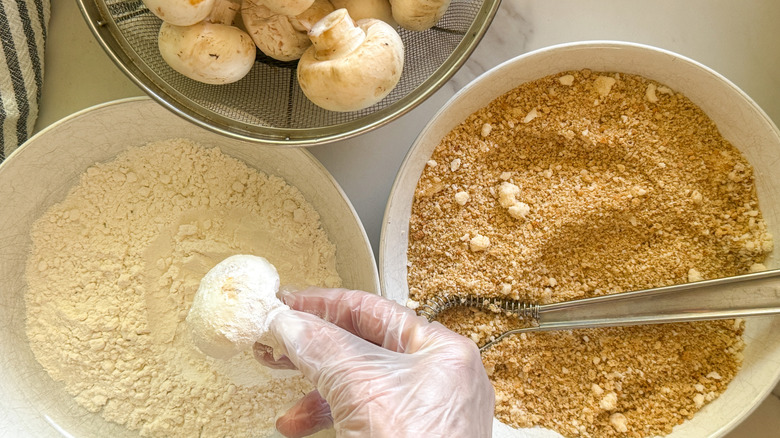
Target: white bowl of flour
{"x": 110, "y": 218}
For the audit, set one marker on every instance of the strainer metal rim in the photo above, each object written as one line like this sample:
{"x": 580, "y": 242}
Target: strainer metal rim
{"x": 110, "y": 38}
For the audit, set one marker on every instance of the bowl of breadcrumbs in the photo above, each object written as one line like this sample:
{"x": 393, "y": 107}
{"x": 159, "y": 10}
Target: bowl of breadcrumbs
{"x": 110, "y": 219}
{"x": 588, "y": 169}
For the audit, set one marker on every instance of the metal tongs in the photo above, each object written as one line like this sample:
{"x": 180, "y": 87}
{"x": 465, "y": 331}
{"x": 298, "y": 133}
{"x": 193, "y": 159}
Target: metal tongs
{"x": 755, "y": 294}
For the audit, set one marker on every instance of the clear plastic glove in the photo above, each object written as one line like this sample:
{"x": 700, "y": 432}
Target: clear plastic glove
{"x": 379, "y": 369}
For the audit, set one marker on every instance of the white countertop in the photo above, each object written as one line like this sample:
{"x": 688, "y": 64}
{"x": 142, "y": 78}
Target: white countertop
{"x": 739, "y": 39}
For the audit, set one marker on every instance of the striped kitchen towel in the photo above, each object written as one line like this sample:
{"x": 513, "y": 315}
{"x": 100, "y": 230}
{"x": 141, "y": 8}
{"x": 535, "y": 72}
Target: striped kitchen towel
{"x": 23, "y": 26}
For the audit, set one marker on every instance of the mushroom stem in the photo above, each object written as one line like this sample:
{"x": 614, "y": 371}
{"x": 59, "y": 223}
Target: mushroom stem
{"x": 224, "y": 12}
{"x": 335, "y": 35}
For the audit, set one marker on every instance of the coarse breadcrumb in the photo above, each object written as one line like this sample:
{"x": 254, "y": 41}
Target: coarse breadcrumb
{"x": 618, "y": 183}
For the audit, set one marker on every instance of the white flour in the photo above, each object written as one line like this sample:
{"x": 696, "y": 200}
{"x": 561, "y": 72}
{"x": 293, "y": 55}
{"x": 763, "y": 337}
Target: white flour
{"x": 113, "y": 271}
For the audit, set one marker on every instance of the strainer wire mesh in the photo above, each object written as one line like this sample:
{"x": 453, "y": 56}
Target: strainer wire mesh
{"x": 268, "y": 104}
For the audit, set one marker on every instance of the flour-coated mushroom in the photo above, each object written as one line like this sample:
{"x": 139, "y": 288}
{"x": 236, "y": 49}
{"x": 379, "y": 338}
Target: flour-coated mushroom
{"x": 280, "y": 36}
{"x": 360, "y": 9}
{"x": 418, "y": 14}
{"x": 235, "y": 306}
{"x": 180, "y": 12}
{"x": 212, "y": 53}
{"x": 350, "y": 66}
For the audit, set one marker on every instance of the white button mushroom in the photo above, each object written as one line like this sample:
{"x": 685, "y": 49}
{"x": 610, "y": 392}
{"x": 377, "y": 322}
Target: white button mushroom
{"x": 235, "y": 306}
{"x": 350, "y": 66}
{"x": 280, "y": 36}
{"x": 180, "y": 12}
{"x": 286, "y": 7}
{"x": 360, "y": 9}
{"x": 212, "y": 53}
{"x": 418, "y": 14}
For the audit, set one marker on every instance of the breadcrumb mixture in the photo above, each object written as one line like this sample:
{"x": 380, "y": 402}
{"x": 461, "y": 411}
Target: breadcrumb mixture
{"x": 582, "y": 184}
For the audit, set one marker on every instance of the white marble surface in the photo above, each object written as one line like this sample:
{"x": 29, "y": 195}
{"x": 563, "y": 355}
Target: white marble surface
{"x": 739, "y": 39}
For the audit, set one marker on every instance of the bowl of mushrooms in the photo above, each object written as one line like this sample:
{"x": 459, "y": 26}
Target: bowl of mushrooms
{"x": 289, "y": 73}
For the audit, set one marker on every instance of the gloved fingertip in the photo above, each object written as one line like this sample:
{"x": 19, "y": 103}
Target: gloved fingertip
{"x": 287, "y": 296}
{"x": 290, "y": 288}
{"x": 265, "y": 355}
{"x": 310, "y": 415}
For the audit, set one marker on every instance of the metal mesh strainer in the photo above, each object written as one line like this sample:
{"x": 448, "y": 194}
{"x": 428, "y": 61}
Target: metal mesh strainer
{"x": 268, "y": 105}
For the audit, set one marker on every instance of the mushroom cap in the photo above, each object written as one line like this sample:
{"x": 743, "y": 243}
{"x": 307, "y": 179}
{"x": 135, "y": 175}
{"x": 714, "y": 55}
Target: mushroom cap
{"x": 418, "y": 14}
{"x": 224, "y": 11}
{"x": 306, "y": 20}
{"x": 180, "y": 12}
{"x": 234, "y": 305}
{"x": 360, "y": 9}
{"x": 275, "y": 35}
{"x": 356, "y": 78}
{"x": 290, "y": 8}
{"x": 207, "y": 52}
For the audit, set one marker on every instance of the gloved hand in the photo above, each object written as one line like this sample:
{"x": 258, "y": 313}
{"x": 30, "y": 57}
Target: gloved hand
{"x": 379, "y": 369}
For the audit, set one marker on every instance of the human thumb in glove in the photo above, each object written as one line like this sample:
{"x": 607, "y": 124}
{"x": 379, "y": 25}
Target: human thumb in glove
{"x": 379, "y": 369}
